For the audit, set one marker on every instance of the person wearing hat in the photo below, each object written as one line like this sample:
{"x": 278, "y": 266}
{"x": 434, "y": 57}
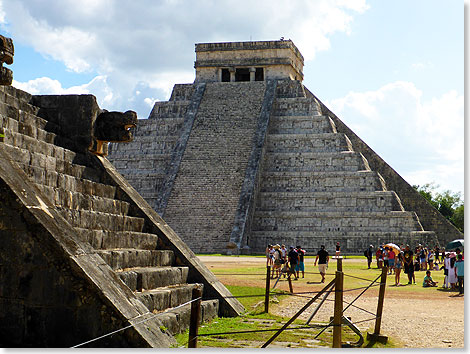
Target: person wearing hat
{"x": 322, "y": 257}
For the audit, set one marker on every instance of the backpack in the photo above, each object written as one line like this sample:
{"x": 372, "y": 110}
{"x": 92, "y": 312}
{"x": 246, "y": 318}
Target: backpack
{"x": 366, "y": 253}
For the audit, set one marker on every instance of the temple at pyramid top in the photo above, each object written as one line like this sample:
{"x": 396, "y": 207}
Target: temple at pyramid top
{"x": 248, "y": 61}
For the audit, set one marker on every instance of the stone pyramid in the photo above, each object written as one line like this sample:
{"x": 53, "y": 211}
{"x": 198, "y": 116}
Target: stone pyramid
{"x": 82, "y": 254}
{"x": 247, "y": 155}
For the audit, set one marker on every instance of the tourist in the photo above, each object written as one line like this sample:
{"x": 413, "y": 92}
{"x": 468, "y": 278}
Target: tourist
{"x": 300, "y": 267}
{"x": 446, "y": 271}
{"x": 436, "y": 255}
{"x": 269, "y": 255}
{"x": 427, "y": 281}
{"x": 408, "y": 264}
{"x": 422, "y": 257}
{"x": 398, "y": 267}
{"x": 277, "y": 261}
{"x": 293, "y": 258}
{"x": 379, "y": 258}
{"x": 322, "y": 258}
{"x": 338, "y": 249}
{"x": 430, "y": 259}
{"x": 452, "y": 276}
{"x": 385, "y": 256}
{"x": 368, "y": 254}
{"x": 459, "y": 271}
{"x": 391, "y": 260}
{"x": 284, "y": 259}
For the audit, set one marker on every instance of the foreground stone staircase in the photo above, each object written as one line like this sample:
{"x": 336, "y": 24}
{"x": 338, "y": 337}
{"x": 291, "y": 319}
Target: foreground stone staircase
{"x": 108, "y": 219}
{"x": 314, "y": 189}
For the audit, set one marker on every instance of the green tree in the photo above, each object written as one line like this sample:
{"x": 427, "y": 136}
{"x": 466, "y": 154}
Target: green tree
{"x": 448, "y": 203}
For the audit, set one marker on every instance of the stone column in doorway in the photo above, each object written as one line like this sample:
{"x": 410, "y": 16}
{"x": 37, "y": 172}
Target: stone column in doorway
{"x": 232, "y": 74}
{"x": 252, "y": 74}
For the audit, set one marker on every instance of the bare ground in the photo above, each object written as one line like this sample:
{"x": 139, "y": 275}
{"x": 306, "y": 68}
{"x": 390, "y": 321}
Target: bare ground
{"x": 416, "y": 319}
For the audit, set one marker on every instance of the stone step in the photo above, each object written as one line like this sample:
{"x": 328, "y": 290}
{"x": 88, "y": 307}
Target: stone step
{"x": 182, "y": 93}
{"x": 44, "y": 152}
{"x": 165, "y": 145}
{"x": 177, "y": 321}
{"x": 298, "y": 106}
{"x": 153, "y": 277}
{"x": 169, "y": 109}
{"x": 160, "y": 127}
{"x": 28, "y": 125}
{"x": 15, "y": 93}
{"x": 69, "y": 183}
{"x": 329, "y": 201}
{"x": 310, "y": 161}
{"x": 296, "y": 143}
{"x": 289, "y": 89}
{"x": 74, "y": 200}
{"x": 144, "y": 166}
{"x": 145, "y": 183}
{"x": 166, "y": 297}
{"x": 106, "y": 239}
{"x": 10, "y": 106}
{"x": 335, "y": 221}
{"x": 350, "y": 241}
{"x": 132, "y": 258}
{"x": 301, "y": 125}
{"x": 41, "y": 170}
{"x": 102, "y": 221}
{"x": 360, "y": 181}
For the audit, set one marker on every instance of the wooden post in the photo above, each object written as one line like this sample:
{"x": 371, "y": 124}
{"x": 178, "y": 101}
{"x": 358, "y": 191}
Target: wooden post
{"x": 289, "y": 280}
{"x": 339, "y": 263}
{"x": 268, "y": 286}
{"x": 376, "y": 336}
{"x": 293, "y": 318}
{"x": 338, "y": 316}
{"x": 380, "y": 304}
{"x": 195, "y": 317}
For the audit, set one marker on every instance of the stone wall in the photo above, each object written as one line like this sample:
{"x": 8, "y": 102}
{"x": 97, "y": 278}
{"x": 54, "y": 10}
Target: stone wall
{"x": 206, "y": 191}
{"x": 429, "y": 217}
{"x": 83, "y": 254}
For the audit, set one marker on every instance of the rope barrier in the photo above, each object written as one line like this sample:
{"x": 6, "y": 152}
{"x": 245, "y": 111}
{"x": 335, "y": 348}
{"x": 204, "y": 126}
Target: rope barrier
{"x": 137, "y": 323}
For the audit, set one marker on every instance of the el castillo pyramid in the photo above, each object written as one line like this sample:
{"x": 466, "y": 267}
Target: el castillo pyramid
{"x": 246, "y": 156}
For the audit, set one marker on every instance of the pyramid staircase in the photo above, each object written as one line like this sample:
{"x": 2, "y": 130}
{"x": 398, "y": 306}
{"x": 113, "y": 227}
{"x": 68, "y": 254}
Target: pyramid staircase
{"x": 157, "y": 138}
{"x": 147, "y": 267}
{"x": 315, "y": 189}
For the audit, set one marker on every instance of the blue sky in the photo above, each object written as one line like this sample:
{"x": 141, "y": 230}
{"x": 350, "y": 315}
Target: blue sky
{"x": 393, "y": 71}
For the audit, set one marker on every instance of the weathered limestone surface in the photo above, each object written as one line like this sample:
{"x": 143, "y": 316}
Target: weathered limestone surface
{"x": 81, "y": 250}
{"x": 206, "y": 191}
{"x": 429, "y": 217}
{"x": 264, "y": 161}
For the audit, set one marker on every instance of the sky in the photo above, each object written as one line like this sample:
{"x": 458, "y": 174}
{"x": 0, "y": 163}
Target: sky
{"x": 393, "y": 71}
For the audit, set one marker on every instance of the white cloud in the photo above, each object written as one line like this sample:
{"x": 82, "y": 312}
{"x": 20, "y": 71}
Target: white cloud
{"x": 423, "y": 140}
{"x": 148, "y": 46}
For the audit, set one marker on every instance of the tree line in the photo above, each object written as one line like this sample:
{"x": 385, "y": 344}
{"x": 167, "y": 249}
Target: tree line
{"x": 448, "y": 203}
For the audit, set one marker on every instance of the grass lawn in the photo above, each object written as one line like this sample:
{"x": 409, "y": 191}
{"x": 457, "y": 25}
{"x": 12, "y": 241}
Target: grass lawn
{"x": 236, "y": 273}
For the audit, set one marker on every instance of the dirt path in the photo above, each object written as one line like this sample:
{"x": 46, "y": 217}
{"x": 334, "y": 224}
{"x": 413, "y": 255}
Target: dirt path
{"x": 417, "y": 320}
